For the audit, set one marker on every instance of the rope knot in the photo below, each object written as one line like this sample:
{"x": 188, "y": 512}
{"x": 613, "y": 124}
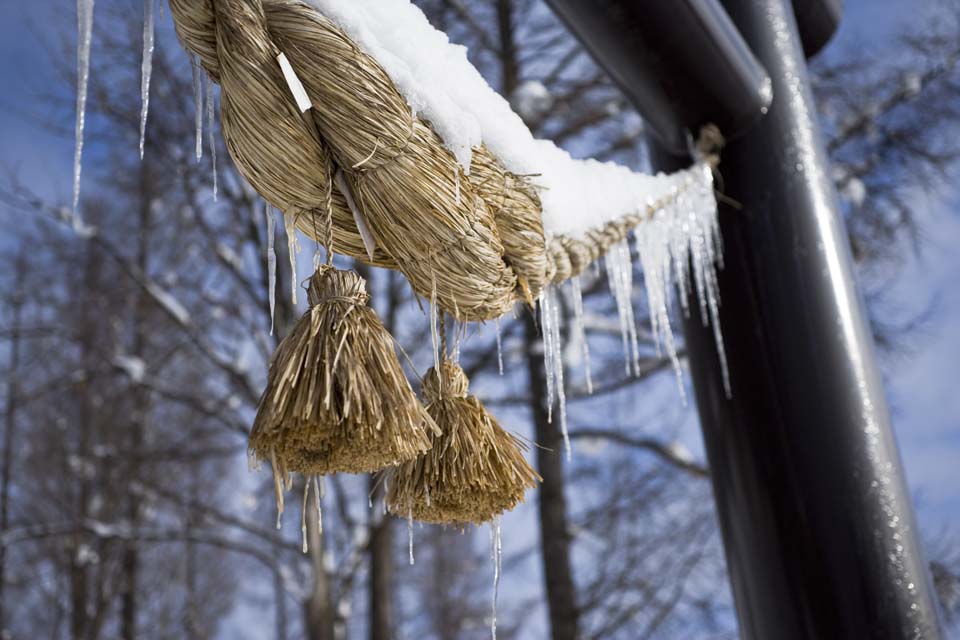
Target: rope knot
{"x": 709, "y": 144}
{"x": 330, "y": 284}
{"x": 452, "y": 384}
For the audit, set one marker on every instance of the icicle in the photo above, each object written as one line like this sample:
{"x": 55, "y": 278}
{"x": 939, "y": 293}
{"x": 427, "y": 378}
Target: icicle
{"x": 496, "y": 554}
{"x": 679, "y": 247}
{"x": 553, "y": 359}
{"x": 577, "y": 292}
{"x": 546, "y": 326}
{"x": 457, "y": 334}
{"x": 84, "y": 36}
{"x": 434, "y": 320}
{"x": 318, "y": 491}
{"x": 293, "y": 248}
{"x": 271, "y": 262}
{"x": 662, "y": 245}
{"x": 211, "y": 138}
{"x": 410, "y": 535}
{"x": 620, "y": 276}
{"x": 277, "y": 488}
{"x": 146, "y": 68}
{"x": 303, "y": 512}
{"x": 705, "y": 207}
{"x": 197, "y": 104}
{"x": 427, "y": 493}
{"x": 499, "y": 347}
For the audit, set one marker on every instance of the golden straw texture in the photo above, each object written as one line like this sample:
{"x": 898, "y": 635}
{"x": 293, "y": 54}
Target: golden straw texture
{"x": 474, "y": 470}
{"x": 426, "y": 216}
{"x": 337, "y": 399}
{"x": 477, "y": 240}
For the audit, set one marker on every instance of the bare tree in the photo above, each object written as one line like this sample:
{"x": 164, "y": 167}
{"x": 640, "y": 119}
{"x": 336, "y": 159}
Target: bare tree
{"x": 135, "y": 356}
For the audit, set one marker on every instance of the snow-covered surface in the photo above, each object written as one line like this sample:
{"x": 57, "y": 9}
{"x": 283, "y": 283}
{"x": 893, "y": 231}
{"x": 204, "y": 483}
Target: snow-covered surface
{"x": 440, "y": 84}
{"x": 532, "y": 100}
{"x": 133, "y": 366}
{"x": 169, "y": 302}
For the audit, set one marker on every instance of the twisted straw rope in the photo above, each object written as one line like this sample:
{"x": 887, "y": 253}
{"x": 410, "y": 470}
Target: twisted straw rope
{"x": 477, "y": 240}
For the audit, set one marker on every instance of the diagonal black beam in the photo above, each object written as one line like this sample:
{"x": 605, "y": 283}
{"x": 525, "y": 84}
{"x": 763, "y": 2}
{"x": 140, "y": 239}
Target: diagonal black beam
{"x": 681, "y": 62}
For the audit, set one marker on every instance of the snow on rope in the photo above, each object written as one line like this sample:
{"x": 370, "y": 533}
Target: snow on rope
{"x": 453, "y": 188}
{"x": 443, "y": 179}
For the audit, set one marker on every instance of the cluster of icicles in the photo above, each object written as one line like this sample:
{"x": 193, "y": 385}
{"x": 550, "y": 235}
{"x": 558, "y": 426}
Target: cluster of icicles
{"x": 678, "y": 248}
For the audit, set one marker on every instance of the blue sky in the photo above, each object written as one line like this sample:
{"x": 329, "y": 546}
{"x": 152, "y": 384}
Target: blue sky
{"x": 922, "y": 385}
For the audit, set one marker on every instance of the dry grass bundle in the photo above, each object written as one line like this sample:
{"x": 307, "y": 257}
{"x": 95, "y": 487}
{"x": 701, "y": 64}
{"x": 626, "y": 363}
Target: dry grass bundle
{"x": 477, "y": 241}
{"x": 425, "y": 215}
{"x": 337, "y": 399}
{"x": 474, "y": 470}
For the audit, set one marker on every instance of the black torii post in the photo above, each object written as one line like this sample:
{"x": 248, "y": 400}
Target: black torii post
{"x": 817, "y": 522}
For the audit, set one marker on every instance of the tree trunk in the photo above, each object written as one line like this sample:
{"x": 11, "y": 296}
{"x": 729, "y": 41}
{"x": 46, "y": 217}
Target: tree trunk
{"x": 190, "y": 613}
{"x": 509, "y": 65}
{"x": 131, "y": 554}
{"x": 554, "y": 531}
{"x": 10, "y": 425}
{"x": 381, "y": 568}
{"x": 81, "y": 626}
{"x": 279, "y": 603}
{"x": 319, "y": 616}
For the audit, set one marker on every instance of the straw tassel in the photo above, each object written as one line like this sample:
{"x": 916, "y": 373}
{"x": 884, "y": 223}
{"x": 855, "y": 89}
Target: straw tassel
{"x": 337, "y": 399}
{"x": 474, "y": 471}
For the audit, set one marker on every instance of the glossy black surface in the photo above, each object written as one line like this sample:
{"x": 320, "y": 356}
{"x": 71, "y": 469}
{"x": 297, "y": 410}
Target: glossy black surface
{"x": 680, "y": 62}
{"x": 817, "y": 523}
{"x": 817, "y": 21}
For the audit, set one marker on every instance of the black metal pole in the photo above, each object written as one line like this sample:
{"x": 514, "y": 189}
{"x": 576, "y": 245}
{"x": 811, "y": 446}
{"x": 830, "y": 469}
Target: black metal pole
{"x": 681, "y": 62}
{"x": 817, "y": 522}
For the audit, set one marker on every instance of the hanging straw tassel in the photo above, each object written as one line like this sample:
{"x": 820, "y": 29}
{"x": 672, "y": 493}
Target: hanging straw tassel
{"x": 474, "y": 471}
{"x": 337, "y": 399}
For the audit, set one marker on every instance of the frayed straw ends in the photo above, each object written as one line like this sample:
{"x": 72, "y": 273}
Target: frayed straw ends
{"x": 336, "y": 398}
{"x": 474, "y": 471}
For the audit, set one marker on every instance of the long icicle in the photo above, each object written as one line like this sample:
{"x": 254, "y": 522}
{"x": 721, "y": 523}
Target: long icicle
{"x": 303, "y": 513}
{"x": 197, "y": 77}
{"x": 434, "y": 330}
{"x": 84, "y": 37}
{"x": 271, "y": 262}
{"x": 410, "y": 535}
{"x": 146, "y": 67}
{"x": 577, "y": 293}
{"x": 553, "y": 359}
{"x": 499, "y": 347}
{"x": 317, "y": 499}
{"x": 211, "y": 116}
{"x": 293, "y": 248}
{"x": 496, "y": 554}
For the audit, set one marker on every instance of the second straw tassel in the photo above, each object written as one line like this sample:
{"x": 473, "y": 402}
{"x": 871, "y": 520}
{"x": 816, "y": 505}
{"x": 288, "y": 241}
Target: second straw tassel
{"x": 474, "y": 470}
